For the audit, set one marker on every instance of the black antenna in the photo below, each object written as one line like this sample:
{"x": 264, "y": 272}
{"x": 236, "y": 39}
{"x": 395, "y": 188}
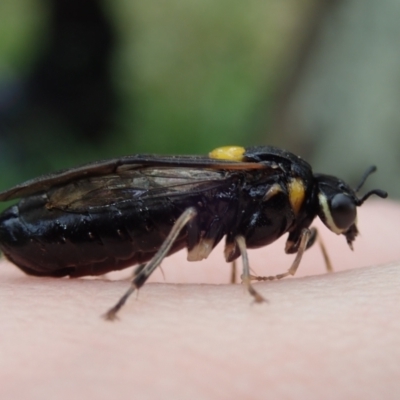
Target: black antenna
{"x": 370, "y": 170}
{"x": 378, "y": 192}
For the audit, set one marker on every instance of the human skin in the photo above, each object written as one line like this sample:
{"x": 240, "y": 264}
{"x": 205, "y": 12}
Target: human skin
{"x": 318, "y": 336}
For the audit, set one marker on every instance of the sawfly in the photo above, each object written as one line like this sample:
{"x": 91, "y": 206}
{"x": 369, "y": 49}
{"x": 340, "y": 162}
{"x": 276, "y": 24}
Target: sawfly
{"x": 139, "y": 209}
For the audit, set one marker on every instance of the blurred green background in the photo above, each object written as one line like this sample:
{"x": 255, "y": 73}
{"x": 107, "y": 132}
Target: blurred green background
{"x": 95, "y": 79}
{"x": 187, "y": 76}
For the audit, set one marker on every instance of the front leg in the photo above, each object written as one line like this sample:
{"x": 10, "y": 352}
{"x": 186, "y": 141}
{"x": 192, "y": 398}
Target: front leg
{"x": 300, "y": 246}
{"x": 292, "y": 247}
{"x": 293, "y": 243}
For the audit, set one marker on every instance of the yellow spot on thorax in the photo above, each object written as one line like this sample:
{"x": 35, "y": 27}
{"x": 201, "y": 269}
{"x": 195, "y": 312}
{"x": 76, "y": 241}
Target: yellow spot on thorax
{"x": 296, "y": 194}
{"x": 231, "y": 153}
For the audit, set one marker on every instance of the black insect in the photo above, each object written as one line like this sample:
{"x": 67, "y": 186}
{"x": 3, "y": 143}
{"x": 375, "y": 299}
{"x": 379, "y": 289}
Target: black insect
{"x": 109, "y": 215}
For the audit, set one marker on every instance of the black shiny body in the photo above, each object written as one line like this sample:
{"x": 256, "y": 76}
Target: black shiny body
{"x": 109, "y": 215}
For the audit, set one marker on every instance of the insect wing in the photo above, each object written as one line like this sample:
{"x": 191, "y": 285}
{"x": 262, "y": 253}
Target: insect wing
{"x": 118, "y": 166}
{"x": 145, "y": 184}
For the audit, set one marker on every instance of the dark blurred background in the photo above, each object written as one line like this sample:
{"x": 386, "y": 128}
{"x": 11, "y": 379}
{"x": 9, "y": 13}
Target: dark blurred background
{"x": 83, "y": 80}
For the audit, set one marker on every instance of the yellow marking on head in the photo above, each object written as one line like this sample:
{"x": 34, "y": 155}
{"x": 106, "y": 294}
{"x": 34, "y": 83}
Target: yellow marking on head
{"x": 230, "y": 153}
{"x": 296, "y": 194}
{"x": 328, "y": 220}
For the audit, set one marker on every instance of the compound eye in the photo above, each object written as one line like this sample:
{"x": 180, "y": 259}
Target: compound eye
{"x": 343, "y": 211}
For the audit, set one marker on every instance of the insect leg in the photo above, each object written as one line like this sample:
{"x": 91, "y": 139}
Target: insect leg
{"x": 138, "y": 270}
{"x": 305, "y": 236}
{"x": 233, "y": 271}
{"x": 140, "y": 267}
{"x": 144, "y": 273}
{"x": 327, "y": 260}
{"x": 315, "y": 236}
{"x": 246, "y": 277}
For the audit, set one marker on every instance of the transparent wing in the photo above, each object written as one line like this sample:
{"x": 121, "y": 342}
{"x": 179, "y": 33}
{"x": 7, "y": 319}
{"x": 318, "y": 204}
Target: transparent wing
{"x": 132, "y": 186}
{"x": 118, "y": 166}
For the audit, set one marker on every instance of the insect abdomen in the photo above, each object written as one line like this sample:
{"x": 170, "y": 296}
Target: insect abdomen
{"x": 57, "y": 243}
